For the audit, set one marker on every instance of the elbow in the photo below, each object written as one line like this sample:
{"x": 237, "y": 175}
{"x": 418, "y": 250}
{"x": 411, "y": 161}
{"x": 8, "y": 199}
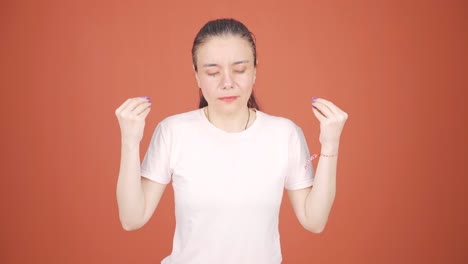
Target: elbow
{"x": 315, "y": 228}
{"x": 128, "y": 227}
{"x": 130, "y": 221}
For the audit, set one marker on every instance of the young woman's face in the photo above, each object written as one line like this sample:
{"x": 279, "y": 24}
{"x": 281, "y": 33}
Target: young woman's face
{"x": 226, "y": 72}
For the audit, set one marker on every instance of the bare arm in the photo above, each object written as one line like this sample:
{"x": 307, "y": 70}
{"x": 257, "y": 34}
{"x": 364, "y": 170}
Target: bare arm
{"x": 312, "y": 205}
{"x": 137, "y": 197}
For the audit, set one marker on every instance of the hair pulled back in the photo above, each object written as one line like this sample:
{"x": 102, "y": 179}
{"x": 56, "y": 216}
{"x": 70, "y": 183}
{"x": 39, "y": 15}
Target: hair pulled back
{"x": 218, "y": 28}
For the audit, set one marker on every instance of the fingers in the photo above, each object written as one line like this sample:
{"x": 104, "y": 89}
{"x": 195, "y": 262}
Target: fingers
{"x": 317, "y": 114}
{"x": 134, "y": 105}
{"x": 329, "y": 109}
{"x": 145, "y": 113}
{"x": 323, "y": 109}
{"x": 332, "y": 107}
{"x": 122, "y": 106}
{"x": 135, "y": 102}
{"x": 141, "y": 108}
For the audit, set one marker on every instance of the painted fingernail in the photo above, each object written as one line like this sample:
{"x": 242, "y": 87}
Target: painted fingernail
{"x": 313, "y": 99}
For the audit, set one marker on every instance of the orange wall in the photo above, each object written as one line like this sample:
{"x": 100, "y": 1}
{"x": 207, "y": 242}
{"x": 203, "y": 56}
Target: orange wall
{"x": 398, "y": 68}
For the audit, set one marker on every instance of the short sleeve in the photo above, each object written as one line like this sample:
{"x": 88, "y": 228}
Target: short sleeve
{"x": 300, "y": 173}
{"x": 156, "y": 165}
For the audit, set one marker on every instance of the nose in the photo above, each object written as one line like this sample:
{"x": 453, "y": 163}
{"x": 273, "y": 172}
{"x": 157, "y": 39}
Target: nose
{"x": 227, "y": 81}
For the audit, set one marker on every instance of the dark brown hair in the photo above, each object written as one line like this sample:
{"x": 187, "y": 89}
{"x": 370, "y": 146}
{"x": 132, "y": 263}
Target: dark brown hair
{"x": 222, "y": 27}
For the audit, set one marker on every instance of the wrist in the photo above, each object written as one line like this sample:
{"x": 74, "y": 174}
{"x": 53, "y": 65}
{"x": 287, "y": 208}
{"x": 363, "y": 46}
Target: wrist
{"x": 130, "y": 144}
{"x": 329, "y": 149}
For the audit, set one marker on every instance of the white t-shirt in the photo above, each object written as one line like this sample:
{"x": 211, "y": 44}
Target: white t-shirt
{"x": 228, "y": 187}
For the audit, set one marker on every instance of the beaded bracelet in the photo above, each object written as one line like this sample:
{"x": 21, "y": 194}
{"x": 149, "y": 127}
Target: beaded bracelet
{"x": 334, "y": 155}
{"x": 315, "y": 156}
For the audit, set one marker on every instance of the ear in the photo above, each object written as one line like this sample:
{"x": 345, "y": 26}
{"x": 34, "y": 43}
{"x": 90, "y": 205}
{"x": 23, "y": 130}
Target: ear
{"x": 196, "y": 76}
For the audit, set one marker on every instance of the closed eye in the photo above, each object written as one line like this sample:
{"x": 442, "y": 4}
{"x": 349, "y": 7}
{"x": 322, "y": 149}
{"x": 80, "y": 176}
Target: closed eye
{"x": 213, "y": 74}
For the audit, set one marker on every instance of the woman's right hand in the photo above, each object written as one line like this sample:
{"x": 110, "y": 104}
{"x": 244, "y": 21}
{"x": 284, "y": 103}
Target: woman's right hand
{"x": 131, "y": 115}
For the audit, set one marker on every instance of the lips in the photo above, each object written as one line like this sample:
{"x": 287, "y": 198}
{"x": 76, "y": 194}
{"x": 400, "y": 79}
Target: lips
{"x": 228, "y": 99}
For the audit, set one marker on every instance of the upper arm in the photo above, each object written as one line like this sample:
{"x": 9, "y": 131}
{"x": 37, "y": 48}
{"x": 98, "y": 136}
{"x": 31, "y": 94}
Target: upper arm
{"x": 152, "y": 192}
{"x": 155, "y": 170}
{"x": 298, "y": 200}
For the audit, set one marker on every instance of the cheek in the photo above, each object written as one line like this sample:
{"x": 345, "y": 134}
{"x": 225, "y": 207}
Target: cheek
{"x": 208, "y": 83}
{"x": 245, "y": 81}
{"x": 208, "y": 88}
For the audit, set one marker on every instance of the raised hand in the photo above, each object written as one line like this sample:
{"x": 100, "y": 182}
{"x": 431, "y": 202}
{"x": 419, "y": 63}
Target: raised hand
{"x": 332, "y": 120}
{"x": 131, "y": 116}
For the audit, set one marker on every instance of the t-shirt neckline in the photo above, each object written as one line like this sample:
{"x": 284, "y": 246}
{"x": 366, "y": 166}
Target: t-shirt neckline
{"x": 217, "y": 130}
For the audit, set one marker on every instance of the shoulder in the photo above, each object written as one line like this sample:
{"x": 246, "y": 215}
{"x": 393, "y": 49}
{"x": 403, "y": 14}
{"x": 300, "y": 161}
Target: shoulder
{"x": 180, "y": 121}
{"x": 278, "y": 123}
{"x": 190, "y": 116}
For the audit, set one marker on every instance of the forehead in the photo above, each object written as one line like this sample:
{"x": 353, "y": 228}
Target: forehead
{"x": 224, "y": 48}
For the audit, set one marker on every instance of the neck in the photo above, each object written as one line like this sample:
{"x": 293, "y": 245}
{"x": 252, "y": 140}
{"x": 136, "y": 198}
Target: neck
{"x": 230, "y": 122}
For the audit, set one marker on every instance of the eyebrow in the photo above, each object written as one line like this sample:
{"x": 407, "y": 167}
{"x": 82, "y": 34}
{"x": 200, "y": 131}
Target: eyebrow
{"x": 234, "y": 63}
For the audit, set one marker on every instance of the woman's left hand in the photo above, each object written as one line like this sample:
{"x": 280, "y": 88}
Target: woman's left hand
{"x": 332, "y": 120}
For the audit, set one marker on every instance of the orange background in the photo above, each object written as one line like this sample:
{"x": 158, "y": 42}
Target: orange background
{"x": 398, "y": 68}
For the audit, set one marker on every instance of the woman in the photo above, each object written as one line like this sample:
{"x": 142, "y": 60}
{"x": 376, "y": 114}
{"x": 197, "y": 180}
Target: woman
{"x": 228, "y": 161}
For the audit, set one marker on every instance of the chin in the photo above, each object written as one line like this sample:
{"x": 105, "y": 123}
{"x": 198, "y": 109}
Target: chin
{"x": 232, "y": 107}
